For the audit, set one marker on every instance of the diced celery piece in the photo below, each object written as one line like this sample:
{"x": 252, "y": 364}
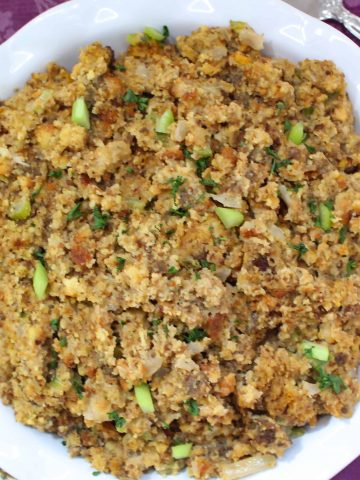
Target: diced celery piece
{"x": 325, "y": 217}
{"x": 20, "y": 209}
{"x": 163, "y": 123}
{"x": 316, "y": 351}
{"x": 230, "y": 217}
{"x": 182, "y": 450}
{"x": 237, "y": 26}
{"x": 134, "y": 38}
{"x": 296, "y": 133}
{"x": 40, "y": 281}
{"x": 154, "y": 34}
{"x": 80, "y": 113}
{"x": 136, "y": 203}
{"x": 143, "y": 398}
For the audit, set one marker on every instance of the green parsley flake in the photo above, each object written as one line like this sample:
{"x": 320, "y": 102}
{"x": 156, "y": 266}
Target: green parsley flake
{"x": 75, "y": 212}
{"x": 195, "y": 335}
{"x": 192, "y": 407}
{"x": 173, "y": 270}
{"x": 342, "y": 233}
{"x": 77, "y": 385}
{"x": 175, "y": 184}
{"x": 120, "y": 68}
{"x": 287, "y": 126}
{"x": 350, "y": 267}
{"x": 39, "y": 254}
{"x": 179, "y": 212}
{"x": 120, "y": 263}
{"x": 202, "y": 164}
{"x": 301, "y": 248}
{"x": 100, "y": 219}
{"x": 141, "y": 101}
{"x": 327, "y": 380}
{"x": 55, "y": 324}
{"x": 296, "y": 187}
{"x": 280, "y": 105}
{"x": 209, "y": 265}
{"x": 210, "y": 183}
{"x": 55, "y": 174}
{"x": 63, "y": 342}
{"x": 277, "y": 163}
{"x": 118, "y": 421}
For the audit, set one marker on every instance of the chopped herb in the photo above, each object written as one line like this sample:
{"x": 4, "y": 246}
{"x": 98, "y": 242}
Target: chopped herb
{"x": 309, "y": 148}
{"x": 53, "y": 364}
{"x": 195, "y": 335}
{"x": 287, "y": 126}
{"x": 209, "y": 182}
{"x": 186, "y": 152}
{"x": 342, "y": 233}
{"x": 118, "y": 421}
{"x": 120, "y": 263}
{"x": 315, "y": 351}
{"x": 277, "y": 163}
{"x": 350, "y": 267}
{"x": 312, "y": 206}
{"x": 75, "y": 212}
{"x": 55, "y": 324}
{"x": 332, "y": 95}
{"x": 296, "y": 187}
{"x": 308, "y": 111}
{"x": 165, "y": 425}
{"x": 327, "y": 380}
{"x": 77, "y": 385}
{"x": 130, "y": 170}
{"x": 170, "y": 232}
{"x": 280, "y": 105}
{"x": 201, "y": 165}
{"x": 209, "y": 265}
{"x": 192, "y": 407}
{"x": 63, "y": 342}
{"x": 301, "y": 248}
{"x": 63, "y": 443}
{"x": 39, "y": 254}
{"x": 120, "y": 68}
{"x": 179, "y": 212}
{"x": 22, "y": 314}
{"x": 96, "y": 474}
{"x": 165, "y": 329}
{"x": 55, "y": 174}
{"x": 175, "y": 184}
{"x": 197, "y": 276}
{"x": 329, "y": 204}
{"x": 173, "y": 270}
{"x": 100, "y": 219}
{"x": 35, "y": 193}
{"x": 165, "y": 32}
{"x": 141, "y": 101}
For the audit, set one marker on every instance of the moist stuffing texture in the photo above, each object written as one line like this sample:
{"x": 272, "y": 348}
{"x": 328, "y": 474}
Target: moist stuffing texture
{"x": 145, "y": 283}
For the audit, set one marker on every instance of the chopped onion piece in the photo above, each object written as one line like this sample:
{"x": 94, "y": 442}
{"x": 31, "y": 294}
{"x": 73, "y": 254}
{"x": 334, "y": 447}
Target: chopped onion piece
{"x": 247, "y": 466}
{"x": 154, "y": 34}
{"x": 134, "y": 38}
{"x": 228, "y": 199}
{"x": 284, "y": 195}
{"x": 316, "y": 351}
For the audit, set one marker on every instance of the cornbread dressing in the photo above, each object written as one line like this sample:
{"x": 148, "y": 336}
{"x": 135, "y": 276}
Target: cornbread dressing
{"x": 144, "y": 286}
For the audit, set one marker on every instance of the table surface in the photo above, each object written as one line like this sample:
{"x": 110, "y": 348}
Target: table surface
{"x": 15, "y": 13}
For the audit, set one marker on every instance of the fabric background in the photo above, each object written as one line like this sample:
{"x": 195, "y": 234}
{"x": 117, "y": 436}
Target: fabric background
{"x": 15, "y": 13}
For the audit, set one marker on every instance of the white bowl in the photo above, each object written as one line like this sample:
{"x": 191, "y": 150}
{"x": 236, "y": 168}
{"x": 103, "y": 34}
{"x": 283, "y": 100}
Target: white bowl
{"x": 57, "y": 35}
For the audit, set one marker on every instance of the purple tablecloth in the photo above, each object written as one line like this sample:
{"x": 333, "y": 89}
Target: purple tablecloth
{"x": 15, "y": 13}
